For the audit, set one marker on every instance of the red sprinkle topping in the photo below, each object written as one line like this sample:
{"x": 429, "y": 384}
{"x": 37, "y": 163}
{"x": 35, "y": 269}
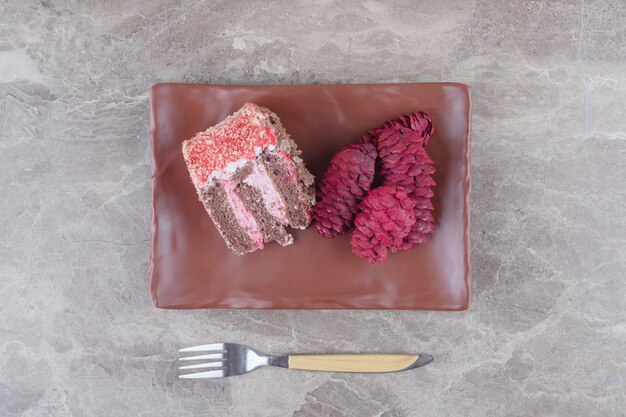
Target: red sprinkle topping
{"x": 230, "y": 140}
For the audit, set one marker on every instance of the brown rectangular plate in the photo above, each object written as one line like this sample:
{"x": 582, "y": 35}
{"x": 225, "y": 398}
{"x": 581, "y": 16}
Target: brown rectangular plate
{"x": 191, "y": 266}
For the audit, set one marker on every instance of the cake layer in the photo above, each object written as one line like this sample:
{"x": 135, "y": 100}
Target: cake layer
{"x": 217, "y": 204}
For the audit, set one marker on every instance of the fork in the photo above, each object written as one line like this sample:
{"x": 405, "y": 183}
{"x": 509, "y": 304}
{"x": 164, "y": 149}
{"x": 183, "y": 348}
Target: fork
{"x": 230, "y": 359}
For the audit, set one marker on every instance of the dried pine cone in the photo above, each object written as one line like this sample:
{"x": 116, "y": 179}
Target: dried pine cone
{"x": 344, "y": 184}
{"x": 386, "y": 218}
{"x": 419, "y": 122}
{"x": 405, "y": 163}
{"x": 403, "y": 160}
{"x": 424, "y": 224}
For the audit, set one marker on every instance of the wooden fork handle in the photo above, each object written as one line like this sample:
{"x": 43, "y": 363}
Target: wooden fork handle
{"x": 352, "y": 363}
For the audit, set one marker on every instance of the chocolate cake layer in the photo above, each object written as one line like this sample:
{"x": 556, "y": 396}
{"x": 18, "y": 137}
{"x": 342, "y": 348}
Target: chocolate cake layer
{"x": 216, "y": 202}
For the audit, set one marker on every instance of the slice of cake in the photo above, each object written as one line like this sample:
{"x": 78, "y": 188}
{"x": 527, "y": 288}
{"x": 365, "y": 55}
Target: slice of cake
{"x": 248, "y": 175}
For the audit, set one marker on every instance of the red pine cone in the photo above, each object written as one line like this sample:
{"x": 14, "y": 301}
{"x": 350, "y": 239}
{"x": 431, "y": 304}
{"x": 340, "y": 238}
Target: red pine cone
{"x": 405, "y": 163}
{"x": 424, "y": 224}
{"x": 419, "y": 122}
{"x": 344, "y": 184}
{"x": 386, "y": 218}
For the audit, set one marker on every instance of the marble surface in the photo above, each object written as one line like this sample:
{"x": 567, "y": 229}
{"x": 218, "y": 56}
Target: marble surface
{"x": 546, "y": 334}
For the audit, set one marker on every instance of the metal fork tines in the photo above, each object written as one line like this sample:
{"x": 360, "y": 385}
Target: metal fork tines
{"x": 226, "y": 359}
{"x": 229, "y": 359}
{"x": 217, "y": 361}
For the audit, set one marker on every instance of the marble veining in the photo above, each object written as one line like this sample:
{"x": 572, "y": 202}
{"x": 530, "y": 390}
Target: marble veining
{"x": 546, "y": 333}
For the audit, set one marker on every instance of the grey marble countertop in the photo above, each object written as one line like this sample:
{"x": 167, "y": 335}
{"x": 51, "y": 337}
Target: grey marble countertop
{"x": 546, "y": 333}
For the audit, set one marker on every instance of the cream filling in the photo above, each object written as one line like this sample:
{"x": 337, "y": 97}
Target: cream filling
{"x": 242, "y": 214}
{"x": 260, "y": 179}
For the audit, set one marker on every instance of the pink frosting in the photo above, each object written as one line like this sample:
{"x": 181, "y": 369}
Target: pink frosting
{"x": 243, "y": 215}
